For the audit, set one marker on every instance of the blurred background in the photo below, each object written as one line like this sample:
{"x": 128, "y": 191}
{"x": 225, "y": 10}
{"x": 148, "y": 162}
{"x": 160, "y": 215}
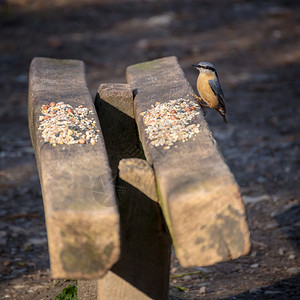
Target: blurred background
{"x": 255, "y": 47}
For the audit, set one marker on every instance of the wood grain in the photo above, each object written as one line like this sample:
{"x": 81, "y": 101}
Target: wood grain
{"x": 79, "y": 197}
{"x": 142, "y": 272}
{"x": 198, "y": 194}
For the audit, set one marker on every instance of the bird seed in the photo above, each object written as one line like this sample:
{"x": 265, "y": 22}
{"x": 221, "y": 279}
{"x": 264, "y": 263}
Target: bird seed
{"x": 169, "y": 122}
{"x": 60, "y": 123}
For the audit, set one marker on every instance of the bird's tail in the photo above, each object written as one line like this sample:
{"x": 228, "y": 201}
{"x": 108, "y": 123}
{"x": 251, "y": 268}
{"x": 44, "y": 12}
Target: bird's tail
{"x": 222, "y": 112}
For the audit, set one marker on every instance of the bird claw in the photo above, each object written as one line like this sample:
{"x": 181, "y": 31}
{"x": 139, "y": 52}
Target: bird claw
{"x": 195, "y": 96}
{"x": 200, "y": 100}
{"x": 201, "y": 103}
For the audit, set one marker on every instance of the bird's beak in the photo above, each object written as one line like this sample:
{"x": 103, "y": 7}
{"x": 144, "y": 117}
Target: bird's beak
{"x": 196, "y": 66}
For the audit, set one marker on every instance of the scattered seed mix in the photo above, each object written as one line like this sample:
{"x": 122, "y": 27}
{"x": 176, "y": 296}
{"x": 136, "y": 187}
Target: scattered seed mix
{"x": 60, "y": 123}
{"x": 170, "y": 122}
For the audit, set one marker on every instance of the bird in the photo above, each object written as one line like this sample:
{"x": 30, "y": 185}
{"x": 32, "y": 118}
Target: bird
{"x": 209, "y": 89}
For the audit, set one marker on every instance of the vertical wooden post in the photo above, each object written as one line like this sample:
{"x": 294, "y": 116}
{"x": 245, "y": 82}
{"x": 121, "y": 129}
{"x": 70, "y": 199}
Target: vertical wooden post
{"x": 142, "y": 271}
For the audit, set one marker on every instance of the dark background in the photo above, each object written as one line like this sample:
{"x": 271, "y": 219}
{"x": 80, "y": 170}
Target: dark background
{"x": 255, "y": 47}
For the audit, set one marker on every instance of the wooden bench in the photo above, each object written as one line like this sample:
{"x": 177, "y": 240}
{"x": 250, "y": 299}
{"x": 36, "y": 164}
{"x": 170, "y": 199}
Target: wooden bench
{"x": 83, "y": 235}
{"x": 112, "y": 209}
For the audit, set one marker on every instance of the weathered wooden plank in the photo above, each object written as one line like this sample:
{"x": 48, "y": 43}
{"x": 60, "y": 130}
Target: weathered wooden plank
{"x": 79, "y": 197}
{"x": 114, "y": 104}
{"x": 113, "y": 287}
{"x": 197, "y": 192}
{"x": 139, "y": 173}
{"x": 120, "y": 96}
{"x": 142, "y": 272}
{"x": 87, "y": 289}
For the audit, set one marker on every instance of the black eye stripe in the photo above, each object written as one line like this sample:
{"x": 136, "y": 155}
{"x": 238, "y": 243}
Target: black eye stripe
{"x": 208, "y": 68}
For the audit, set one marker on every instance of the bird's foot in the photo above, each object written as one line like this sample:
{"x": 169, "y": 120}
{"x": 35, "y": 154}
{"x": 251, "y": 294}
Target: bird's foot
{"x": 199, "y": 100}
{"x": 201, "y": 103}
{"x": 195, "y": 96}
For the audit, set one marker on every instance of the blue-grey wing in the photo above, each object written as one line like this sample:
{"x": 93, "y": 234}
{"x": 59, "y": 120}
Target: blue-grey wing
{"x": 216, "y": 88}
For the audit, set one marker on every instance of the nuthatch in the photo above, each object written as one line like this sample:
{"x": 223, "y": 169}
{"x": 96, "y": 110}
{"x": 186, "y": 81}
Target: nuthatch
{"x": 209, "y": 88}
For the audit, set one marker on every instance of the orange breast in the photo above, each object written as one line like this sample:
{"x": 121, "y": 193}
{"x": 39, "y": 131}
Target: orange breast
{"x": 205, "y": 90}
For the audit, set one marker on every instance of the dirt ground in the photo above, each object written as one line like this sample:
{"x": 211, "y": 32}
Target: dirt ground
{"x": 255, "y": 48}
